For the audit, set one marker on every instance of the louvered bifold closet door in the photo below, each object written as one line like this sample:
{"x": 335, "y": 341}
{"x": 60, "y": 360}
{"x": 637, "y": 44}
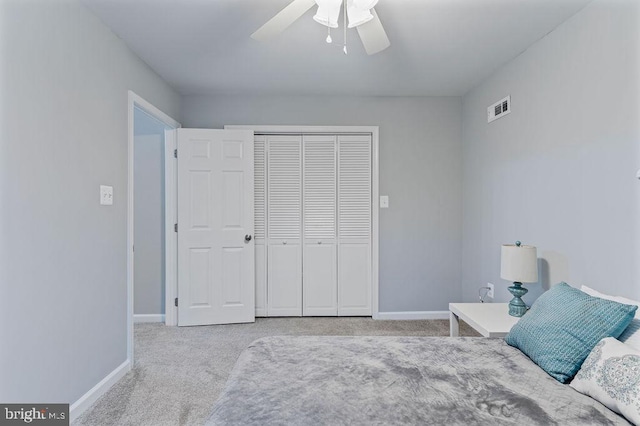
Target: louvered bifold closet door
{"x": 284, "y": 225}
{"x": 260, "y": 206}
{"x": 354, "y": 225}
{"x": 320, "y": 281}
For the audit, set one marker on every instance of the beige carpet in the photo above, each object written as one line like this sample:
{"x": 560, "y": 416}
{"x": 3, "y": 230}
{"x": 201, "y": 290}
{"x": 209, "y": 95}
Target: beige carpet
{"x": 180, "y": 371}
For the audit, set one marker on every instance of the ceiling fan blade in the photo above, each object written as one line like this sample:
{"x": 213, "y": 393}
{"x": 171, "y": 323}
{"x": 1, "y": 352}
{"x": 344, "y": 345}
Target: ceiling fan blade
{"x": 283, "y": 19}
{"x": 373, "y": 36}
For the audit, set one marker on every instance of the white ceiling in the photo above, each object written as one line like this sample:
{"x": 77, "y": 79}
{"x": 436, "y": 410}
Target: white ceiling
{"x": 438, "y": 47}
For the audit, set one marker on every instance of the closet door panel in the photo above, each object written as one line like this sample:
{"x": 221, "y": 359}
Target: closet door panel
{"x": 354, "y": 225}
{"x": 260, "y": 206}
{"x": 354, "y": 279}
{"x": 284, "y": 187}
{"x": 319, "y": 187}
{"x": 320, "y": 285}
{"x": 261, "y": 280}
{"x": 354, "y": 188}
{"x": 284, "y": 225}
{"x": 285, "y": 275}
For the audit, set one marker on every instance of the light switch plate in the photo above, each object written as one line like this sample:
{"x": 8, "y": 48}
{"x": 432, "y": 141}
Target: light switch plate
{"x": 106, "y": 195}
{"x": 384, "y": 201}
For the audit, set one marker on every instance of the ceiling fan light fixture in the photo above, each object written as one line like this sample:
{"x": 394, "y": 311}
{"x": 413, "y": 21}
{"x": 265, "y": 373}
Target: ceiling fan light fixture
{"x": 365, "y": 4}
{"x": 356, "y": 15}
{"x": 328, "y": 12}
{"x": 372, "y": 34}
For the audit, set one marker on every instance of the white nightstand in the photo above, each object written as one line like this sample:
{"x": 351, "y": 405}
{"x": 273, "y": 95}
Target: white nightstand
{"x": 488, "y": 319}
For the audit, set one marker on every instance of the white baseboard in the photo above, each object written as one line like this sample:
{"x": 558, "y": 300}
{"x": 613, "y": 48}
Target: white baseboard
{"x": 86, "y": 400}
{"x": 148, "y": 318}
{"x": 413, "y": 315}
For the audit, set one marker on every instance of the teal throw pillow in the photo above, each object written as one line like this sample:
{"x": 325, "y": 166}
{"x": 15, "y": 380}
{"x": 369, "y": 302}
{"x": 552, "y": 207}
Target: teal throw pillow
{"x": 564, "y": 325}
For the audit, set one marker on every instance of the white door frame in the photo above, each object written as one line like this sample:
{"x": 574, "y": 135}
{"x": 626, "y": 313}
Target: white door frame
{"x": 374, "y": 131}
{"x": 170, "y": 220}
{"x": 134, "y": 100}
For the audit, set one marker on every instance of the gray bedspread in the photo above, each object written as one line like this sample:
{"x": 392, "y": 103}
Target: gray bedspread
{"x": 397, "y": 380}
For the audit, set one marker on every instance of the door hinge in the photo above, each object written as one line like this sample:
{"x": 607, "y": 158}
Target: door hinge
{"x": 175, "y": 227}
{"x": 176, "y": 302}
{"x": 175, "y": 153}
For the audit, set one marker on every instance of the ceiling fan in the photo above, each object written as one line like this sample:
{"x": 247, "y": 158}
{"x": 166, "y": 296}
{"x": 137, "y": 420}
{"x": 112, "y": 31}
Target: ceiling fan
{"x": 361, "y": 16}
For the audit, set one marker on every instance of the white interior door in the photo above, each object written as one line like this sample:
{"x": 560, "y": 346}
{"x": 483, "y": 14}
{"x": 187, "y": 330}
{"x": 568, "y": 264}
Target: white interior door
{"x": 216, "y": 258}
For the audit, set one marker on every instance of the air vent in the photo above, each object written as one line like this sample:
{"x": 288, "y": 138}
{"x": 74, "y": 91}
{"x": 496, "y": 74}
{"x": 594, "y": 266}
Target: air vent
{"x": 499, "y": 109}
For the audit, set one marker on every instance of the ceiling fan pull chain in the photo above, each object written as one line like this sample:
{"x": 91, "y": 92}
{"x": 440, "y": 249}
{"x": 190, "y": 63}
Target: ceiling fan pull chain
{"x": 344, "y": 49}
{"x": 329, "y": 40}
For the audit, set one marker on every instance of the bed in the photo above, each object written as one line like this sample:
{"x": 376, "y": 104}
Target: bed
{"x": 397, "y": 380}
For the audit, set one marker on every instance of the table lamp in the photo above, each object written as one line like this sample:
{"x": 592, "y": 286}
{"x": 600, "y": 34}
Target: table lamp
{"x": 518, "y": 264}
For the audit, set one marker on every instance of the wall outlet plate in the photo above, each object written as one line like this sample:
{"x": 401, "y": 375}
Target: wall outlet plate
{"x": 384, "y": 201}
{"x": 490, "y": 292}
{"x": 106, "y": 195}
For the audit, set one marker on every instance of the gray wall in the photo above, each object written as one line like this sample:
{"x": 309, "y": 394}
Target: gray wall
{"x": 148, "y": 181}
{"x": 420, "y": 170}
{"x": 63, "y": 303}
{"x": 559, "y": 171}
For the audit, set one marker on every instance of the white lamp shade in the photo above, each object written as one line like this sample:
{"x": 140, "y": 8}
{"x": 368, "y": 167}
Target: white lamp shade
{"x": 519, "y": 263}
{"x": 365, "y": 4}
{"x": 356, "y": 15}
{"x": 328, "y": 12}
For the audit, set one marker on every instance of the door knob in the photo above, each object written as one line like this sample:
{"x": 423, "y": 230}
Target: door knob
{"x": 247, "y": 238}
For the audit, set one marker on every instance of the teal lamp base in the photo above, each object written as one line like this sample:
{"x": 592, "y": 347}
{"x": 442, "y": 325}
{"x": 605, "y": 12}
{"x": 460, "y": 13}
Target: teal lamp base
{"x": 517, "y": 307}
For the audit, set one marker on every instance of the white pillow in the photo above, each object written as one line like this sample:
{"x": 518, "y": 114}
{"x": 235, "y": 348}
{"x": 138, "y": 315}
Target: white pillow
{"x": 610, "y": 376}
{"x": 631, "y": 335}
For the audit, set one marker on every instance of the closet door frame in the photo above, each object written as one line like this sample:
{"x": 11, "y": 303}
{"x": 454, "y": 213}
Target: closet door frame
{"x": 375, "y": 201}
